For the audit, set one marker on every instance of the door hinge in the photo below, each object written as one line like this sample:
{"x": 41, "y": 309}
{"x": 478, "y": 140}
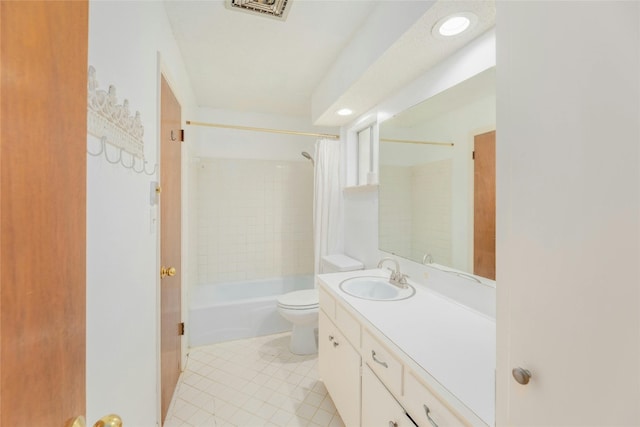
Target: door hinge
{"x": 181, "y": 328}
{"x": 473, "y": 155}
{"x": 181, "y": 135}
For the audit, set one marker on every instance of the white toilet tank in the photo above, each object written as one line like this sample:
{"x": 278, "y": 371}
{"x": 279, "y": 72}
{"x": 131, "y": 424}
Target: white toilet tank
{"x": 338, "y": 262}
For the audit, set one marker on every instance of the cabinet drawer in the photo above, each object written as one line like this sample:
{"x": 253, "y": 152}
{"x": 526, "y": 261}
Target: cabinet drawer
{"x": 379, "y": 408}
{"x": 381, "y": 361}
{"x": 327, "y": 303}
{"x": 418, "y": 398}
{"x": 348, "y": 325}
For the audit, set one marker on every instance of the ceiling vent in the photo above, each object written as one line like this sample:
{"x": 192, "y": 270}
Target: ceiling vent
{"x": 272, "y": 8}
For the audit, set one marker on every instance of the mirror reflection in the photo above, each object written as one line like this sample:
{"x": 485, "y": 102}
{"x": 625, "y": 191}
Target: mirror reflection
{"x": 436, "y": 202}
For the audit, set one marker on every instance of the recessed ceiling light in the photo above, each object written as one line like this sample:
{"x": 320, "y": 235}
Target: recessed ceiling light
{"x": 455, "y": 24}
{"x": 345, "y": 112}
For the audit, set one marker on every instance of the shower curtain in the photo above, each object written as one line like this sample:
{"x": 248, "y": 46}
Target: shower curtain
{"x": 327, "y": 201}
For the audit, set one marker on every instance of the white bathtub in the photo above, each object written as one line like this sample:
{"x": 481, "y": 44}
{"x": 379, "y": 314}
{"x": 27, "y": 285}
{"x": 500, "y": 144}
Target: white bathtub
{"x": 230, "y": 311}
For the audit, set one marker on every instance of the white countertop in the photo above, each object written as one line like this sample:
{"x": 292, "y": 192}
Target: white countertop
{"x": 453, "y": 343}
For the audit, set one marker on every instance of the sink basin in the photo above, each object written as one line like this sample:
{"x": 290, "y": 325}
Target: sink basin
{"x": 375, "y": 288}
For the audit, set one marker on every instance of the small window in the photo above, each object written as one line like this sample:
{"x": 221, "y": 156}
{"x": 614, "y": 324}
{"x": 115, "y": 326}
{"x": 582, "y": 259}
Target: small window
{"x": 365, "y": 142}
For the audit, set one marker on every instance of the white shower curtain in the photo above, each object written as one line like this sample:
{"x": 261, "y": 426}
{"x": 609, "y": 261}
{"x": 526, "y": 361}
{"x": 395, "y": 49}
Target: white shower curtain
{"x": 327, "y": 200}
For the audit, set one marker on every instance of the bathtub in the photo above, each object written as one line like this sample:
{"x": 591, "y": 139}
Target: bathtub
{"x": 230, "y": 311}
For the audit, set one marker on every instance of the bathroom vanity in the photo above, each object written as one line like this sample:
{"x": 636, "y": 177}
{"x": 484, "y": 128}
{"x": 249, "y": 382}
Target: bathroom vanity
{"x": 425, "y": 360}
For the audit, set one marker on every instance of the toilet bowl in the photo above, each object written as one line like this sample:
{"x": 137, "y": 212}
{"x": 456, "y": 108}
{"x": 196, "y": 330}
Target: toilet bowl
{"x": 301, "y": 307}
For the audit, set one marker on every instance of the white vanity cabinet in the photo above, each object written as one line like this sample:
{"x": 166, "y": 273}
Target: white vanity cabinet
{"x": 339, "y": 367}
{"x": 424, "y": 407}
{"x": 371, "y": 380}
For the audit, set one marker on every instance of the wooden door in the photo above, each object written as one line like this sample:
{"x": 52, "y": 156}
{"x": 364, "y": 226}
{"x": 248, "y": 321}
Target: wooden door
{"x": 484, "y": 205}
{"x": 170, "y": 247}
{"x": 43, "y": 138}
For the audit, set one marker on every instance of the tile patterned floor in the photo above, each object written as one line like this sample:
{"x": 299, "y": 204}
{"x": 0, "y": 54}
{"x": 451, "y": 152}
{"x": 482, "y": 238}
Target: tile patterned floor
{"x": 253, "y": 382}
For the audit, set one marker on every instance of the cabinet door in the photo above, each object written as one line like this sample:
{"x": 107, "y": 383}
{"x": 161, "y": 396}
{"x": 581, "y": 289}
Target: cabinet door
{"x": 339, "y": 366}
{"x": 326, "y": 355}
{"x": 379, "y": 407}
{"x": 568, "y": 215}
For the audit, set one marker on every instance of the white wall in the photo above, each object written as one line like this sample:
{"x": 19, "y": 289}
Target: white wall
{"x": 568, "y": 212}
{"x": 122, "y": 244}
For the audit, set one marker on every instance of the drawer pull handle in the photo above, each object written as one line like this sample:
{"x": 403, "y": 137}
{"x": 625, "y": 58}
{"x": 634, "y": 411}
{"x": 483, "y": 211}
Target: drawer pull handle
{"x": 393, "y": 424}
{"x": 428, "y": 412}
{"x": 336, "y": 343}
{"x": 375, "y": 359}
{"x": 330, "y": 337}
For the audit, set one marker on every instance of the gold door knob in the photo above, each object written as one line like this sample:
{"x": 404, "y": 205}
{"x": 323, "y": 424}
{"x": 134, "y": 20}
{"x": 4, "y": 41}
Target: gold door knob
{"x": 167, "y": 271}
{"x": 111, "y": 420}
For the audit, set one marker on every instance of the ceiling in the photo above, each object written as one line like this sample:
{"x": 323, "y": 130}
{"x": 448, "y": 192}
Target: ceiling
{"x": 248, "y": 63}
{"x": 469, "y": 91}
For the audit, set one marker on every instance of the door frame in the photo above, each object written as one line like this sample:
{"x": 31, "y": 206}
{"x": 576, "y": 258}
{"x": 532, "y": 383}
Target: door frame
{"x": 162, "y": 70}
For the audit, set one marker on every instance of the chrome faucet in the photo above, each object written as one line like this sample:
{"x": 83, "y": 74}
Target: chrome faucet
{"x": 396, "y": 278}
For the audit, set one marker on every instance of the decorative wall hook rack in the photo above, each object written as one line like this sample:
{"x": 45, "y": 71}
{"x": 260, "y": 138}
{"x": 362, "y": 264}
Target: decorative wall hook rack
{"x": 134, "y": 163}
{"x": 113, "y": 124}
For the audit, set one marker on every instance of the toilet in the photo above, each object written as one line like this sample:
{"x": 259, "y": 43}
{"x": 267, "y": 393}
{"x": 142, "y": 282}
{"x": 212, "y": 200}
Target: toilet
{"x": 301, "y": 307}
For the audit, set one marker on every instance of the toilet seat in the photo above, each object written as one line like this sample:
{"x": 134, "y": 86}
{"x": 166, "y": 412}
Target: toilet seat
{"x": 307, "y": 299}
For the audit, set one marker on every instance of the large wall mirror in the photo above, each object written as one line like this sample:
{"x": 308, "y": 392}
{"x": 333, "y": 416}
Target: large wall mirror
{"x": 436, "y": 201}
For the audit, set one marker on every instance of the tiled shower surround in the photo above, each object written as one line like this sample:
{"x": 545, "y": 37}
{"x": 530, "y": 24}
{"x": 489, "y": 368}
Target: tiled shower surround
{"x": 415, "y": 202}
{"x": 255, "y": 219}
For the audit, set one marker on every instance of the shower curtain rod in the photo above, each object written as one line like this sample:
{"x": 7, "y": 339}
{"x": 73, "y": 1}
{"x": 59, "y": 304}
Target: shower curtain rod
{"x": 284, "y": 131}
{"x": 295, "y": 132}
{"x": 409, "y": 141}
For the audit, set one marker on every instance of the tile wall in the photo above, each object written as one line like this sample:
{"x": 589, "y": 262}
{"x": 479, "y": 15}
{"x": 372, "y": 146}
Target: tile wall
{"x": 395, "y": 209}
{"x": 255, "y": 219}
{"x": 431, "y": 195}
{"x": 415, "y": 202}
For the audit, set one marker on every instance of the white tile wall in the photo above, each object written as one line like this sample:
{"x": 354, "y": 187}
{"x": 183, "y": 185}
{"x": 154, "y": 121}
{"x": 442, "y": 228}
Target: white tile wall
{"x": 416, "y": 206}
{"x": 431, "y": 187}
{"x": 255, "y": 219}
{"x": 396, "y": 215}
